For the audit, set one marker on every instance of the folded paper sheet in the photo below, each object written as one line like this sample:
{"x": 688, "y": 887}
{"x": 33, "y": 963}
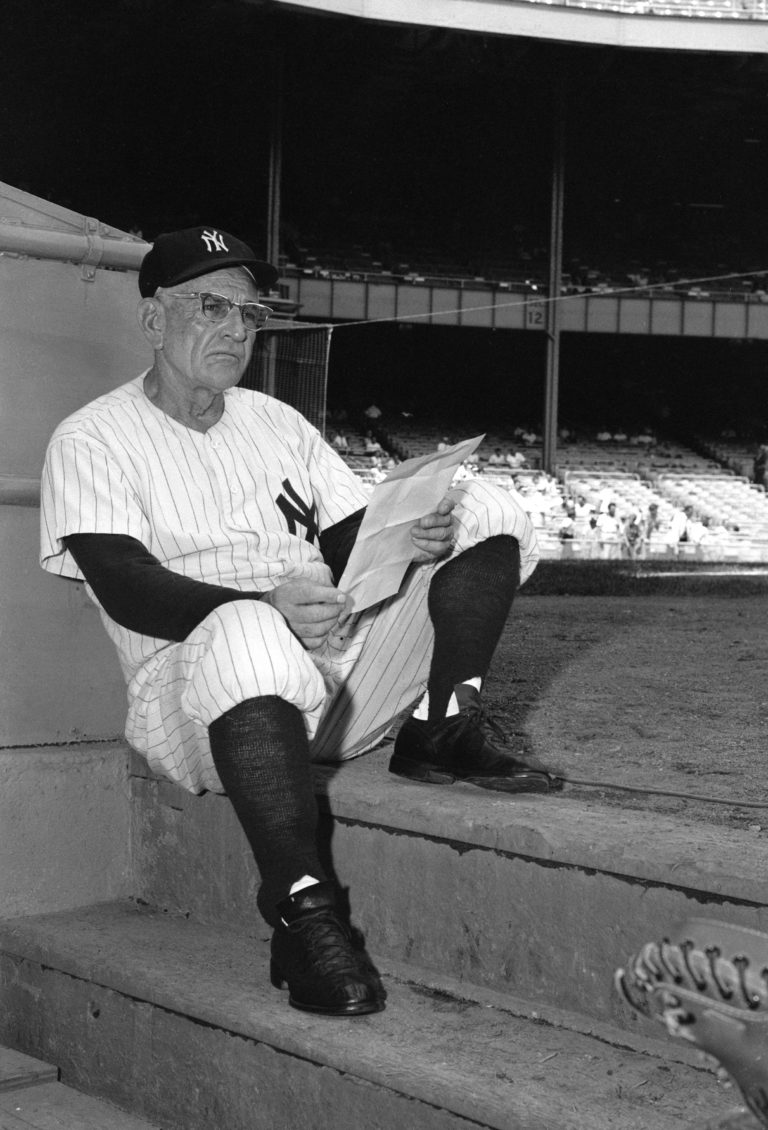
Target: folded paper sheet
{"x": 383, "y": 549}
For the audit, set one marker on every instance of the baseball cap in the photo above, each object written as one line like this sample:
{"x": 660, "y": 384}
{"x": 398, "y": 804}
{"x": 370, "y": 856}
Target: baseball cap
{"x": 179, "y": 256}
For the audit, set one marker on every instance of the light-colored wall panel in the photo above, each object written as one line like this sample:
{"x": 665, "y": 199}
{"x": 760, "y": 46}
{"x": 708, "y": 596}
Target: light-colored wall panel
{"x": 348, "y": 300}
{"x": 730, "y": 319}
{"x": 63, "y": 341}
{"x": 698, "y": 318}
{"x": 59, "y": 675}
{"x": 381, "y": 300}
{"x": 477, "y": 308}
{"x": 634, "y": 315}
{"x": 666, "y": 316}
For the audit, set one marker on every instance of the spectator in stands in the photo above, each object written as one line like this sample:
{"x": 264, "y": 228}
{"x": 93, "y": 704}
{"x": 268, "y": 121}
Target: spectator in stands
{"x": 465, "y": 470}
{"x": 567, "y": 525}
{"x": 515, "y": 459}
{"x": 645, "y": 438}
{"x": 592, "y": 538}
{"x": 529, "y": 437}
{"x": 651, "y": 524}
{"x": 371, "y": 445}
{"x": 678, "y": 527}
{"x": 372, "y": 413}
{"x": 547, "y": 484}
{"x": 535, "y": 506}
{"x": 760, "y": 465}
{"x": 696, "y": 530}
{"x": 610, "y": 531}
{"x": 340, "y": 443}
{"x": 632, "y": 536}
{"x": 606, "y": 496}
{"x": 443, "y": 444}
{"x": 496, "y": 458}
{"x": 604, "y": 436}
{"x": 582, "y": 508}
{"x": 378, "y": 474}
{"x": 620, "y": 436}
{"x": 582, "y": 512}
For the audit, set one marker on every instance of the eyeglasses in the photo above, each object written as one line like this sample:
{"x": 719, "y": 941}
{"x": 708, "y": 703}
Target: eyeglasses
{"x": 217, "y": 308}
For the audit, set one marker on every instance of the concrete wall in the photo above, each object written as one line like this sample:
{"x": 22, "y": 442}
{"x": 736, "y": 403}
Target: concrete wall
{"x": 63, "y": 827}
{"x": 63, "y": 341}
{"x": 64, "y": 833}
{"x": 59, "y": 676}
{"x": 67, "y": 334}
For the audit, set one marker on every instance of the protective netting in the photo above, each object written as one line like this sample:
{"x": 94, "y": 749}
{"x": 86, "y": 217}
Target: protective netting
{"x": 291, "y": 363}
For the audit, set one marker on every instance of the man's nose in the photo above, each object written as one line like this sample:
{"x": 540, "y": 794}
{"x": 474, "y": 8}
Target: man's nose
{"x": 234, "y": 324}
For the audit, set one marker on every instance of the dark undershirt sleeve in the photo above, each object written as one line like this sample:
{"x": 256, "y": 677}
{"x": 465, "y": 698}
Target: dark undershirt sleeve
{"x": 137, "y": 591}
{"x": 336, "y": 543}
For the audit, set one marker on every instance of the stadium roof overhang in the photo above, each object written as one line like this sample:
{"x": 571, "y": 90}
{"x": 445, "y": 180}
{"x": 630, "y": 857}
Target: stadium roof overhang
{"x": 540, "y": 19}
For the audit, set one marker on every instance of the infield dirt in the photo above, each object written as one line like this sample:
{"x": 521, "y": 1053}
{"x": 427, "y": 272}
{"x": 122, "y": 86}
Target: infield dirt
{"x": 657, "y": 694}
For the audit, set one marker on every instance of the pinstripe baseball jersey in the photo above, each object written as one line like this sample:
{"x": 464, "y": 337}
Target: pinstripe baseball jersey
{"x": 239, "y": 505}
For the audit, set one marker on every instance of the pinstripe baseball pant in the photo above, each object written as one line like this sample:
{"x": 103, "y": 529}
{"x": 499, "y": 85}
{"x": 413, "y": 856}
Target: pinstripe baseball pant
{"x": 350, "y": 691}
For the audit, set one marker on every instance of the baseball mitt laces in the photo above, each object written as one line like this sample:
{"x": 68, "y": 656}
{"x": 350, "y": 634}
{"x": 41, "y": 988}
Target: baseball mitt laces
{"x": 708, "y": 983}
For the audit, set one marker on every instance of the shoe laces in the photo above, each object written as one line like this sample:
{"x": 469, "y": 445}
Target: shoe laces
{"x": 327, "y": 944}
{"x": 479, "y": 716}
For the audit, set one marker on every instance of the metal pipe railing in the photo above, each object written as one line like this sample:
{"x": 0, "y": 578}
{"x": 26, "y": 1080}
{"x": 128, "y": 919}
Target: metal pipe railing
{"x": 90, "y": 248}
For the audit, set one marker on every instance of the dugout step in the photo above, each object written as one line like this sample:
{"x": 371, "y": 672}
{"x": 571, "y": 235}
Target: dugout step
{"x": 31, "y": 1098}
{"x": 538, "y": 897}
{"x": 174, "y": 1021}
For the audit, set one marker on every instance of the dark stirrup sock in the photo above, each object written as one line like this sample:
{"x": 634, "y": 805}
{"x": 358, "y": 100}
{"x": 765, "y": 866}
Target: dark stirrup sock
{"x": 469, "y": 601}
{"x": 261, "y": 754}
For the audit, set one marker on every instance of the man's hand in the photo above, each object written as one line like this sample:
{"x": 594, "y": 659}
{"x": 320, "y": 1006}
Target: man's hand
{"x": 433, "y": 534}
{"x": 311, "y": 610}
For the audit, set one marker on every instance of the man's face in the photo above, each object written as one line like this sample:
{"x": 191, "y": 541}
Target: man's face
{"x": 205, "y": 354}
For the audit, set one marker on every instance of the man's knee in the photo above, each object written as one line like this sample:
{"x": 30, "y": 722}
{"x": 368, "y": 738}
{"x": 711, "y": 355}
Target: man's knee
{"x": 484, "y": 510}
{"x": 248, "y": 650}
{"x": 489, "y": 509}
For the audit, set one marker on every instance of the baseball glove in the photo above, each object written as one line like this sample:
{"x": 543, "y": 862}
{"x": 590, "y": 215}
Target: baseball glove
{"x": 708, "y": 982}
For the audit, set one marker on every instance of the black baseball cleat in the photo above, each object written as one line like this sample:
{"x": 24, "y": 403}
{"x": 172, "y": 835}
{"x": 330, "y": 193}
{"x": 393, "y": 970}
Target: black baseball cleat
{"x": 313, "y": 953}
{"x": 456, "y": 749}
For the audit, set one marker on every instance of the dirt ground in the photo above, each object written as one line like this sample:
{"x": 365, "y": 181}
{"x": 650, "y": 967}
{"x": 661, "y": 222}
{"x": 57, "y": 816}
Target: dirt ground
{"x": 664, "y": 694}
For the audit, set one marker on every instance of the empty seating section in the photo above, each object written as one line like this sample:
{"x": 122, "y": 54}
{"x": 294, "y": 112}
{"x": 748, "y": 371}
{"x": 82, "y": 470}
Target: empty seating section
{"x": 727, "y": 519}
{"x": 526, "y": 271}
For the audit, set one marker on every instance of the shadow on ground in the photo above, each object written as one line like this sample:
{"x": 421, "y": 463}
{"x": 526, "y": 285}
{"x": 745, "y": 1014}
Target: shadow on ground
{"x": 660, "y": 693}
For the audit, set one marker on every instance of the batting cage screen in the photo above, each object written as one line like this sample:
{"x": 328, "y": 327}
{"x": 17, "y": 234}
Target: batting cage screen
{"x": 291, "y": 363}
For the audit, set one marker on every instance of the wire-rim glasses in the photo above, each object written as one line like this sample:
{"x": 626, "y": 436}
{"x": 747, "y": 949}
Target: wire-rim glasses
{"x": 217, "y": 308}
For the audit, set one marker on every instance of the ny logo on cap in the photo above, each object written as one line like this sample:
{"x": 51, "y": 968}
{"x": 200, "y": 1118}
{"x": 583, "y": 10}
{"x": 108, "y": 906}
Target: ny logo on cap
{"x": 214, "y": 241}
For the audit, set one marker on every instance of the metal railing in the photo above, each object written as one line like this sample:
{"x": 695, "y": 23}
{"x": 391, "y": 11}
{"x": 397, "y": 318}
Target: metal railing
{"x": 702, "y": 9}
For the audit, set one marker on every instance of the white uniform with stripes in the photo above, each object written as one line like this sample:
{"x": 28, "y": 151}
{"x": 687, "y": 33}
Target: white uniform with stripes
{"x": 233, "y": 506}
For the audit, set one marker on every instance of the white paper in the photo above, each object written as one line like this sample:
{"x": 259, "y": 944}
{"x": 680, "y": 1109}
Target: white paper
{"x": 383, "y": 549}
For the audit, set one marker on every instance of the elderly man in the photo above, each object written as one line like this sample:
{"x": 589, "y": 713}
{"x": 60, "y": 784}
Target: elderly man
{"x": 211, "y": 524}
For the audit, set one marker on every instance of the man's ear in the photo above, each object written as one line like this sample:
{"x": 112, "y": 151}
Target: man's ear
{"x": 151, "y": 316}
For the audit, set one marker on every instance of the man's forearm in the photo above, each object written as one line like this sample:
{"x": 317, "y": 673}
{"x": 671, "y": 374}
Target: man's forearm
{"x": 137, "y": 591}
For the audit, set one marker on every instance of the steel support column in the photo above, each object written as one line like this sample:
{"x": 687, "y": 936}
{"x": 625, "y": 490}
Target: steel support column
{"x": 551, "y": 395}
{"x": 275, "y": 156}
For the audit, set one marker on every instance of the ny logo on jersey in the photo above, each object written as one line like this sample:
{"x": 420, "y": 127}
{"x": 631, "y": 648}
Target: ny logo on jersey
{"x": 214, "y": 241}
{"x": 298, "y": 512}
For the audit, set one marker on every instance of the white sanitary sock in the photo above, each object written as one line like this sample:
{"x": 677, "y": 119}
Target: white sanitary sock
{"x": 300, "y": 884}
{"x": 421, "y": 713}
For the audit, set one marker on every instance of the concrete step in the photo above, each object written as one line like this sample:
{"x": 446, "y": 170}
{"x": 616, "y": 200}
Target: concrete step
{"x": 18, "y": 1071}
{"x": 540, "y": 897}
{"x": 32, "y": 1099}
{"x": 174, "y": 1020}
